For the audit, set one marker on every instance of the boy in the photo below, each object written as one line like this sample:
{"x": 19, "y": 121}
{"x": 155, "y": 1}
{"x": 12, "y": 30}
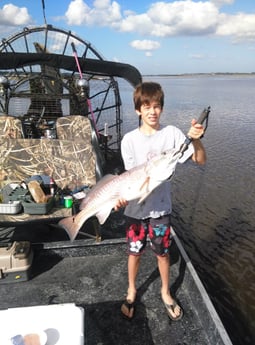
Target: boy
{"x": 154, "y": 213}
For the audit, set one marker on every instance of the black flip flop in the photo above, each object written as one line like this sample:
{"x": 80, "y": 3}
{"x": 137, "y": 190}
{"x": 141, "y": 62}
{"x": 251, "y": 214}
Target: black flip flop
{"x": 172, "y": 308}
{"x": 130, "y": 308}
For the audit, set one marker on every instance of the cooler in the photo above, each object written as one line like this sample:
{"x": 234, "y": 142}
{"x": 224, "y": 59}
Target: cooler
{"x": 58, "y": 324}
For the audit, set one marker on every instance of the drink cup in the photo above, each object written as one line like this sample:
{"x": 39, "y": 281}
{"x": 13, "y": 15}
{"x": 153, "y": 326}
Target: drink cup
{"x": 68, "y": 201}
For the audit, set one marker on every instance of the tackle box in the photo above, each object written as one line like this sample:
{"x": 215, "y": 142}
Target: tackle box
{"x": 31, "y": 207}
{"x": 15, "y": 262}
{"x": 14, "y": 192}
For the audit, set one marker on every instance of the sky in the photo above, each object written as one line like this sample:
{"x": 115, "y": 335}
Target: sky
{"x": 157, "y": 37}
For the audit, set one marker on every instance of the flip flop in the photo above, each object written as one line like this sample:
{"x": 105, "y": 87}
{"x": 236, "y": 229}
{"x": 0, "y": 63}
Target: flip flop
{"x": 128, "y": 309}
{"x": 171, "y": 308}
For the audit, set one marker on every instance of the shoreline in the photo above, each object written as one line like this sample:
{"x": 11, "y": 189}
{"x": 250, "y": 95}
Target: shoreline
{"x": 220, "y": 74}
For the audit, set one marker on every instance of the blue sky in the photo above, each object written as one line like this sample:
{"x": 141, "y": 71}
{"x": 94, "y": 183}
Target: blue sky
{"x": 157, "y": 37}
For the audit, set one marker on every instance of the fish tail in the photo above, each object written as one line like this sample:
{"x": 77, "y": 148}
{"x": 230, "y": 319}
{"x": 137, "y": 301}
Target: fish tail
{"x": 70, "y": 227}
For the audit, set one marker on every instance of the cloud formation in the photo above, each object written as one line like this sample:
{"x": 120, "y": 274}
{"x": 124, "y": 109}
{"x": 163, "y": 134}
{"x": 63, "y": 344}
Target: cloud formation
{"x": 11, "y": 15}
{"x": 103, "y": 13}
{"x": 145, "y": 44}
{"x": 165, "y": 19}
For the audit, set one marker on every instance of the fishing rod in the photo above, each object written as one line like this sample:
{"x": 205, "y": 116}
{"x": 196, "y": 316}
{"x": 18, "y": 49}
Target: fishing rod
{"x": 81, "y": 79}
{"x": 203, "y": 117}
{"x": 44, "y": 16}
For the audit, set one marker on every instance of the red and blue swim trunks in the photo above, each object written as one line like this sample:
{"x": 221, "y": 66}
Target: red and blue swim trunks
{"x": 158, "y": 231}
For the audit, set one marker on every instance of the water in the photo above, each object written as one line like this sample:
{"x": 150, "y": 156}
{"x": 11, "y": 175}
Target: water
{"x": 214, "y": 211}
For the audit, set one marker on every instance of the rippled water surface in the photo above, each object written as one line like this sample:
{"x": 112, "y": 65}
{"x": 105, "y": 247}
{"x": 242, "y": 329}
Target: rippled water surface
{"x": 214, "y": 205}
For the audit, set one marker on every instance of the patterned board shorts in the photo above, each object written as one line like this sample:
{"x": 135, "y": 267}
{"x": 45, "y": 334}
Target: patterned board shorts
{"x": 158, "y": 231}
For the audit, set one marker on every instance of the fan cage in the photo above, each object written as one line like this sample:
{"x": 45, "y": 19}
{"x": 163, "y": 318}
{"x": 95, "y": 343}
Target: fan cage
{"x": 39, "y": 94}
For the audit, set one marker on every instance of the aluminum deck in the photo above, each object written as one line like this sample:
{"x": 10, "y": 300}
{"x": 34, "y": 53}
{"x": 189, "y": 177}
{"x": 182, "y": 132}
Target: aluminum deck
{"x": 94, "y": 277}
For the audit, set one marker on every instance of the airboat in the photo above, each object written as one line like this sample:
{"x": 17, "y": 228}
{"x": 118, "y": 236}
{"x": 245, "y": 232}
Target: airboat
{"x": 48, "y": 74}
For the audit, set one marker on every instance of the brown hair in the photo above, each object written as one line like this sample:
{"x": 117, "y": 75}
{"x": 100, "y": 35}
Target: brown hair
{"x": 148, "y": 92}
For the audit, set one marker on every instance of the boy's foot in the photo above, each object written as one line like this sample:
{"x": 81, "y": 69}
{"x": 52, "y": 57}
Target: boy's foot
{"x": 173, "y": 309}
{"x": 127, "y": 308}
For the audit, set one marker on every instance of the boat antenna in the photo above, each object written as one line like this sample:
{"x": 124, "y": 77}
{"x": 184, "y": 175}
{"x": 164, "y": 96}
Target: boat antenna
{"x": 44, "y": 16}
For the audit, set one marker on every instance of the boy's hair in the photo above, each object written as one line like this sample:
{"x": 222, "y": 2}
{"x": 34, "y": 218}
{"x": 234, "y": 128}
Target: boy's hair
{"x": 148, "y": 92}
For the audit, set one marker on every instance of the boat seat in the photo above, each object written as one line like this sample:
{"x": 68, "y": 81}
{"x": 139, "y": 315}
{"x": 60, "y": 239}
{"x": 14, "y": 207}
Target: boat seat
{"x": 78, "y": 127}
{"x": 10, "y": 127}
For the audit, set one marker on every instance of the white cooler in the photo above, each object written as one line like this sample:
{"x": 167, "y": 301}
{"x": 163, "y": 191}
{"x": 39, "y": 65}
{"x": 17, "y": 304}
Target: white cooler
{"x": 57, "y": 324}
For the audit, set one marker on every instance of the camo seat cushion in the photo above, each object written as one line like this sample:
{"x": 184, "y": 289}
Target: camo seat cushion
{"x": 78, "y": 127}
{"x": 70, "y": 163}
{"x": 10, "y": 127}
{"x": 74, "y": 127}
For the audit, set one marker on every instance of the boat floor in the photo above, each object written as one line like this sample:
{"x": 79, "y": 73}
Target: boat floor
{"x": 94, "y": 276}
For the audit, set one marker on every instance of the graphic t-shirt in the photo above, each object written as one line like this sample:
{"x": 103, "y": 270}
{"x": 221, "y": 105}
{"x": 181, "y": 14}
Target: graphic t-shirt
{"x": 136, "y": 149}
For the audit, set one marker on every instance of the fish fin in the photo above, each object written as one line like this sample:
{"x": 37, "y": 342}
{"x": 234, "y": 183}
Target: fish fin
{"x": 144, "y": 196}
{"x": 103, "y": 215}
{"x": 147, "y": 192}
{"x": 145, "y": 183}
{"x": 70, "y": 227}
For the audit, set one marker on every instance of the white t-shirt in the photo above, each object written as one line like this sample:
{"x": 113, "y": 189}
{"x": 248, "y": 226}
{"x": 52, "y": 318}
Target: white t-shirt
{"x": 136, "y": 149}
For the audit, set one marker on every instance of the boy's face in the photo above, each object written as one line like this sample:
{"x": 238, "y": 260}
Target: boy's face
{"x": 150, "y": 114}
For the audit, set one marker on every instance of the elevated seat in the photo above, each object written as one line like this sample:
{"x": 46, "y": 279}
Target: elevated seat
{"x": 78, "y": 127}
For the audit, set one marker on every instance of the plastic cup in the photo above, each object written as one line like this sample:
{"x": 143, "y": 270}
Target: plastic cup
{"x": 68, "y": 201}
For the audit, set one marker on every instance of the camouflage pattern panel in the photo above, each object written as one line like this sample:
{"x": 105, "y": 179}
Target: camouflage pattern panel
{"x": 70, "y": 163}
{"x": 10, "y": 127}
{"x": 74, "y": 127}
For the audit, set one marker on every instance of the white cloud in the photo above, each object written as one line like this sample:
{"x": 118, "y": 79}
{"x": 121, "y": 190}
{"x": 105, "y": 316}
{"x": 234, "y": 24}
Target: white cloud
{"x": 12, "y": 15}
{"x": 145, "y": 44}
{"x": 104, "y": 13}
{"x": 183, "y": 18}
{"x": 240, "y": 27}
{"x": 189, "y": 18}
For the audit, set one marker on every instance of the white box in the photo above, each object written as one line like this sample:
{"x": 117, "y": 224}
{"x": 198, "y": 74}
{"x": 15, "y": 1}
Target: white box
{"x": 57, "y": 324}
{"x": 13, "y": 207}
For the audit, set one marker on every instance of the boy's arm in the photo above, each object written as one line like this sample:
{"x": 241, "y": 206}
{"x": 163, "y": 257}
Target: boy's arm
{"x": 199, "y": 155}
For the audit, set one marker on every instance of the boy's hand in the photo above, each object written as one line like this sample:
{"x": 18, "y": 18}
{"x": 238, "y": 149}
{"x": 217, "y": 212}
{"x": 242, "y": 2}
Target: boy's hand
{"x": 120, "y": 203}
{"x": 196, "y": 130}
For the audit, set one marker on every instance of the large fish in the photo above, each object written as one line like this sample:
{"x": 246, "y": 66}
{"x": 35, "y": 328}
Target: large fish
{"x": 136, "y": 183}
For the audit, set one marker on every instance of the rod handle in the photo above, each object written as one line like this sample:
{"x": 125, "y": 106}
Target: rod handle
{"x": 204, "y": 115}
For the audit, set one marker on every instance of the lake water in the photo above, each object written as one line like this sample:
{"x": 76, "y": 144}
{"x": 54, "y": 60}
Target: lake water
{"x": 214, "y": 205}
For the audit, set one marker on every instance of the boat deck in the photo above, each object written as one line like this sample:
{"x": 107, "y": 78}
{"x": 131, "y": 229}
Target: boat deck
{"x": 94, "y": 276}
